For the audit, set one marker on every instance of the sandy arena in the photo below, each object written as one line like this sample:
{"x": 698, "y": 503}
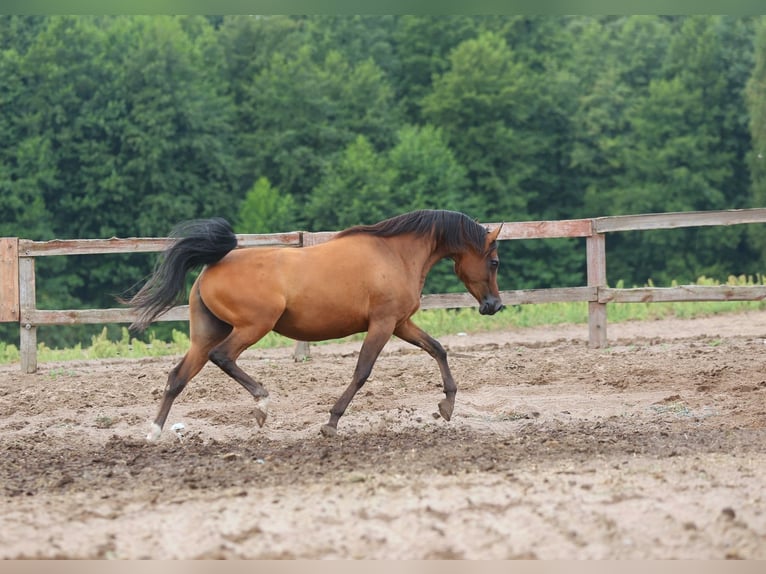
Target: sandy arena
{"x": 652, "y": 448}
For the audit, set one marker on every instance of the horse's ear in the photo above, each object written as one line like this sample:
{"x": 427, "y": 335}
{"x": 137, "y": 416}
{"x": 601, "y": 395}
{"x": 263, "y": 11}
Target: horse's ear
{"x": 492, "y": 235}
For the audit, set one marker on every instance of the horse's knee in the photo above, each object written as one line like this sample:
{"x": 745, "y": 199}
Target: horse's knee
{"x": 219, "y": 358}
{"x": 361, "y": 376}
{"x": 440, "y": 354}
{"x": 176, "y": 382}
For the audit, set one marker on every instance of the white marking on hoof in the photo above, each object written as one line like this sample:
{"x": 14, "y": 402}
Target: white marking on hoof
{"x": 328, "y": 431}
{"x": 263, "y": 404}
{"x": 155, "y": 433}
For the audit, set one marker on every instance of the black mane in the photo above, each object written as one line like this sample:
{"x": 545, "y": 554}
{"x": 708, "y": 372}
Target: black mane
{"x": 451, "y": 230}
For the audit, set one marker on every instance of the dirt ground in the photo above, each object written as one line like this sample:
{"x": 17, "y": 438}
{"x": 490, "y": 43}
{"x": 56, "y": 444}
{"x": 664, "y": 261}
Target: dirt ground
{"x": 652, "y": 448}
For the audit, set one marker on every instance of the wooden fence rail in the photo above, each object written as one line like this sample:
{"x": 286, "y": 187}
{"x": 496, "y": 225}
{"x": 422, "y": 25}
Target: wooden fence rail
{"x": 18, "y": 295}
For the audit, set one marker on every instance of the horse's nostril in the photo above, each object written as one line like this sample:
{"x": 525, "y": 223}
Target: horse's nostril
{"x": 490, "y": 306}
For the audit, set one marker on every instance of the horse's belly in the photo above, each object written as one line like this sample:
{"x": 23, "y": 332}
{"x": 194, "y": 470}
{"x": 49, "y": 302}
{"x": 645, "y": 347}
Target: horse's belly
{"x": 303, "y": 327}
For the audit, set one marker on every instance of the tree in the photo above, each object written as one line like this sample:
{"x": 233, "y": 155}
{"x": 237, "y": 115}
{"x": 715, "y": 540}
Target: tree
{"x": 18, "y": 32}
{"x": 674, "y": 152}
{"x": 249, "y": 43}
{"x": 480, "y": 103}
{"x": 505, "y": 122}
{"x": 427, "y": 174}
{"x": 298, "y": 113}
{"x": 423, "y": 45}
{"x": 358, "y": 37}
{"x": 362, "y": 185}
{"x": 177, "y": 129}
{"x": 266, "y": 210}
{"x": 26, "y": 158}
{"x": 756, "y": 105}
{"x": 116, "y": 130}
{"x": 354, "y": 189}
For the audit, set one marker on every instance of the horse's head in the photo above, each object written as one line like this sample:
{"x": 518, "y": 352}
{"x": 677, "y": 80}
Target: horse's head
{"x": 478, "y": 272}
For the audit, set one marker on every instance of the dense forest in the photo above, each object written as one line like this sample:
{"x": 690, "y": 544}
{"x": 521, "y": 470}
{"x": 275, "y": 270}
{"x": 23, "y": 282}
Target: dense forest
{"x": 125, "y": 125}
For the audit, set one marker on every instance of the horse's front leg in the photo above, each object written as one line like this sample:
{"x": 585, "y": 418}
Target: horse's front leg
{"x": 376, "y": 339}
{"x": 410, "y": 332}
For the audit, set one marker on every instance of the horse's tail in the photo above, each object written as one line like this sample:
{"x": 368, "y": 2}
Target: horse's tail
{"x": 199, "y": 242}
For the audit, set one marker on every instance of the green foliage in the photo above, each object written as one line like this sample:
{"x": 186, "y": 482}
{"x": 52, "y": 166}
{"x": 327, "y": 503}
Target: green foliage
{"x": 102, "y": 346}
{"x": 478, "y": 102}
{"x": 425, "y": 43}
{"x": 756, "y": 104}
{"x": 672, "y": 144}
{"x": 427, "y": 174}
{"x": 355, "y": 189}
{"x": 506, "y": 121}
{"x": 361, "y": 185}
{"x": 266, "y": 210}
{"x": 9, "y": 353}
{"x": 300, "y": 112}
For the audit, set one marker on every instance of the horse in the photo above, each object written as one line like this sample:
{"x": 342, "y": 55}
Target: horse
{"x": 367, "y": 278}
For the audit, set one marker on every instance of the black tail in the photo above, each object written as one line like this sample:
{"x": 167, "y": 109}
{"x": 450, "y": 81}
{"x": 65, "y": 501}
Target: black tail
{"x": 200, "y": 241}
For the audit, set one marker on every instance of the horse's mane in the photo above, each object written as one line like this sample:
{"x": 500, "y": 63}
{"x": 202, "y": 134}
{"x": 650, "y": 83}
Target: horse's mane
{"x": 450, "y": 229}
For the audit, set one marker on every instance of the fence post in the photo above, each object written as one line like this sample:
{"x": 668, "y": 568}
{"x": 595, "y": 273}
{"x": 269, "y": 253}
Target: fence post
{"x": 9, "y": 279}
{"x": 302, "y": 351}
{"x": 595, "y": 246}
{"x": 27, "y": 302}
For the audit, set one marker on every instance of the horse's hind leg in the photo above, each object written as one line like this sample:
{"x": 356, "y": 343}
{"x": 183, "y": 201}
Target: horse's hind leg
{"x": 410, "y": 332}
{"x": 182, "y": 373}
{"x": 225, "y": 355}
{"x": 205, "y": 332}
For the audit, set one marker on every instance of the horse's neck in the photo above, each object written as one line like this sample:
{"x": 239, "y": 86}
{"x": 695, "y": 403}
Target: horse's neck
{"x": 418, "y": 256}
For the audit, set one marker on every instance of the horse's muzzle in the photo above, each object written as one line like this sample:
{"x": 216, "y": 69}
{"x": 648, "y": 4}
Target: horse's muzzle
{"x": 490, "y": 305}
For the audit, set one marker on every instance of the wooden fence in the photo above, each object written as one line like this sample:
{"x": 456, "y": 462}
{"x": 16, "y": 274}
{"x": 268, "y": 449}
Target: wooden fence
{"x": 18, "y": 298}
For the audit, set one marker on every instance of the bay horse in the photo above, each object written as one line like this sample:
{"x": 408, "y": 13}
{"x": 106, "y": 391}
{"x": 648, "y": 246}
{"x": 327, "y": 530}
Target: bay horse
{"x": 367, "y": 278}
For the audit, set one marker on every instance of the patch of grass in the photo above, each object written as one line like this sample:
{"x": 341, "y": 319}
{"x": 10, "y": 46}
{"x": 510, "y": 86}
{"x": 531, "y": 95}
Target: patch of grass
{"x": 437, "y": 322}
{"x": 102, "y": 347}
{"x": 105, "y": 422}
{"x": 60, "y": 372}
{"x": 9, "y": 353}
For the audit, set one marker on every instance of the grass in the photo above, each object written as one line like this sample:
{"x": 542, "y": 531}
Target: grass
{"x": 437, "y": 322}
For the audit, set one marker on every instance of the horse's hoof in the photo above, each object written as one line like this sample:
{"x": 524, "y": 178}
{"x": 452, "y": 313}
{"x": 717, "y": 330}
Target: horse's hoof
{"x": 154, "y": 433}
{"x": 328, "y": 431}
{"x": 445, "y": 408}
{"x": 260, "y": 417}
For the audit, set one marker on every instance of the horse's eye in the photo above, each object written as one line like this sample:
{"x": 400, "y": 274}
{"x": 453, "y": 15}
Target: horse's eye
{"x": 494, "y": 263}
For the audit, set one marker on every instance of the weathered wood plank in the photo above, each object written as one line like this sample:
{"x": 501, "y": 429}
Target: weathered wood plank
{"x": 683, "y": 293}
{"x": 544, "y": 229}
{"x": 91, "y": 316}
{"x": 513, "y": 297}
{"x": 315, "y": 238}
{"x": 291, "y": 239}
{"x": 602, "y": 295}
{"x": 27, "y": 301}
{"x": 510, "y": 230}
{"x": 595, "y": 252}
{"x": 29, "y": 248}
{"x": 9, "y": 279}
{"x": 680, "y": 219}
{"x": 302, "y": 351}
{"x": 181, "y": 313}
